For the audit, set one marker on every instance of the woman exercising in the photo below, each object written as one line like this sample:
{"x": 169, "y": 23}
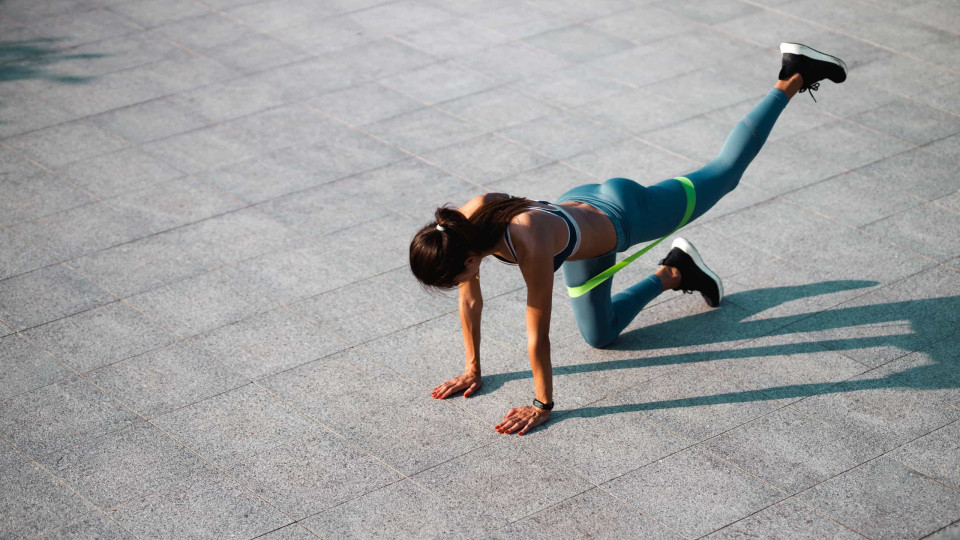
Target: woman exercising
{"x": 582, "y": 233}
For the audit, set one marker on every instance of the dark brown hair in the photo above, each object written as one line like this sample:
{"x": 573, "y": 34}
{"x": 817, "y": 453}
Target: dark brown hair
{"x": 438, "y": 256}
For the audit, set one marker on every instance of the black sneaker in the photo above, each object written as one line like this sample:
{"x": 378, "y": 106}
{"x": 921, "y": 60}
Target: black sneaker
{"x": 694, "y": 275}
{"x": 812, "y": 65}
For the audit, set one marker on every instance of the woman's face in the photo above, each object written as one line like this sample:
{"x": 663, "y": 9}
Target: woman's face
{"x": 472, "y": 269}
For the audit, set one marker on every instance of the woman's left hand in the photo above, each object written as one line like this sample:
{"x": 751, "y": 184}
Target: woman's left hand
{"x": 523, "y": 419}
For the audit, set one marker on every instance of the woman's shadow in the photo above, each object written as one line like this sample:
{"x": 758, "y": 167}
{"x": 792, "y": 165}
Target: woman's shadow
{"x": 943, "y": 371}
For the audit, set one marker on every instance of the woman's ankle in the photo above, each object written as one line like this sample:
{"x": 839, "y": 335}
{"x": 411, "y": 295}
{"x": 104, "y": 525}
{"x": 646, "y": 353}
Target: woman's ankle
{"x": 669, "y": 277}
{"x": 791, "y": 86}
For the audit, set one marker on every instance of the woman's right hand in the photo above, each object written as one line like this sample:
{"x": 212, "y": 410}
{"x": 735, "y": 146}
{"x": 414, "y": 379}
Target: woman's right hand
{"x": 468, "y": 382}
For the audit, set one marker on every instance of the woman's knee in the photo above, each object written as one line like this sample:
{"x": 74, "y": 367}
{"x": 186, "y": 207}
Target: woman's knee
{"x": 598, "y": 338}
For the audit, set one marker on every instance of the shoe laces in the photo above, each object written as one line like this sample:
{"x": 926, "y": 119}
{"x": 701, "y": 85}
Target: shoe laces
{"x": 812, "y": 88}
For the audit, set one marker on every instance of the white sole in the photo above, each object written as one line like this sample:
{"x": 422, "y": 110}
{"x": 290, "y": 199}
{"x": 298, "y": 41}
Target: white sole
{"x": 686, "y": 247}
{"x": 803, "y": 50}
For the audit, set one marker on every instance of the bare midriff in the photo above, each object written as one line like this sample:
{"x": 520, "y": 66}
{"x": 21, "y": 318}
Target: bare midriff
{"x": 598, "y": 235}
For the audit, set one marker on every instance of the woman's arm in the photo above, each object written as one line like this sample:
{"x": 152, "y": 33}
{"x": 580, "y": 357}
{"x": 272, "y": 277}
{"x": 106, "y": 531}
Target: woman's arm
{"x": 471, "y": 305}
{"x": 536, "y": 264}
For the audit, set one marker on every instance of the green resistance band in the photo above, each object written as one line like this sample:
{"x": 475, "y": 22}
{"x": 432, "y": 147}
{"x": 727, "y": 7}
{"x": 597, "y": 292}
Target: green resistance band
{"x": 609, "y": 272}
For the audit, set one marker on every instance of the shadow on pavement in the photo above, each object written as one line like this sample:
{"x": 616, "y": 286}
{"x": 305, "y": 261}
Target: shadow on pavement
{"x": 33, "y": 59}
{"x": 943, "y": 372}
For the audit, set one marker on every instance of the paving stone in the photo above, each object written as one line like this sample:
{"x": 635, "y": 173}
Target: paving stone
{"x": 380, "y": 58}
{"x": 694, "y": 402}
{"x": 60, "y": 145}
{"x": 666, "y": 492}
{"x": 235, "y": 425}
{"x": 454, "y": 38}
{"x": 33, "y": 196}
{"x": 563, "y": 135}
{"x": 930, "y": 369}
{"x": 97, "y": 525}
{"x": 26, "y": 367}
{"x": 502, "y": 481}
{"x": 788, "y": 519}
{"x": 403, "y": 352}
{"x": 846, "y": 144}
{"x": 604, "y": 439}
{"x": 202, "y": 31}
{"x": 150, "y": 13}
{"x": 63, "y": 414}
{"x": 438, "y": 82}
{"x": 201, "y": 303}
{"x": 321, "y": 210}
{"x": 638, "y": 111}
{"x": 946, "y": 533}
{"x": 19, "y": 257}
{"x": 287, "y": 172}
{"x": 905, "y": 76}
{"x": 520, "y": 20}
{"x": 889, "y": 322}
{"x": 365, "y": 103}
{"x": 287, "y": 126}
{"x": 789, "y": 450}
{"x": 505, "y": 318}
{"x": 631, "y": 158}
{"x": 165, "y": 379}
{"x": 546, "y": 183}
{"x": 255, "y": 52}
{"x": 589, "y": 513}
{"x": 578, "y": 43}
{"x": 513, "y": 60}
{"x": 149, "y": 121}
{"x": 231, "y": 99}
{"x": 137, "y": 266}
{"x": 401, "y": 17}
{"x": 486, "y": 159}
{"x": 82, "y": 230}
{"x": 232, "y": 237}
{"x": 412, "y": 186}
{"x": 124, "y": 465}
{"x": 324, "y": 34}
{"x": 203, "y": 149}
{"x": 85, "y": 27}
{"x": 945, "y": 147}
{"x": 193, "y": 509}
{"x": 45, "y": 295}
{"x": 289, "y": 532}
{"x": 423, "y": 130}
{"x": 879, "y": 410}
{"x": 497, "y": 108}
{"x": 901, "y": 503}
{"x": 910, "y": 121}
{"x": 34, "y": 501}
{"x": 387, "y": 237}
{"x": 100, "y": 336}
{"x": 268, "y": 18}
{"x": 399, "y": 510}
{"x": 854, "y": 199}
{"x": 932, "y": 454}
{"x": 927, "y": 229}
{"x": 119, "y": 172}
{"x": 312, "y": 473}
{"x": 174, "y": 203}
{"x": 310, "y": 78}
{"x": 443, "y": 432}
{"x": 266, "y": 344}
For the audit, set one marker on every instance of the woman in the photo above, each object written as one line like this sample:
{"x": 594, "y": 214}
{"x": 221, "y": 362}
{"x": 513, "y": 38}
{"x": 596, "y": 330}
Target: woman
{"x": 583, "y": 232}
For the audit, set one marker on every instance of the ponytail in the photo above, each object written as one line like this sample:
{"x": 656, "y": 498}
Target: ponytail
{"x": 439, "y": 250}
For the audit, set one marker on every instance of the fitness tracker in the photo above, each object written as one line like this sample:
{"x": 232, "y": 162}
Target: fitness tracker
{"x": 541, "y": 405}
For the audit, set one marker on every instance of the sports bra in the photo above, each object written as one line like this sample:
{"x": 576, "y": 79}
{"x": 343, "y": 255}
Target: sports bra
{"x": 573, "y": 242}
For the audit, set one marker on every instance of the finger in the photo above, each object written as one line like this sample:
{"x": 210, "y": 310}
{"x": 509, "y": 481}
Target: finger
{"x": 511, "y": 413}
{"x": 469, "y": 391}
{"x": 532, "y": 423}
{"x": 505, "y": 426}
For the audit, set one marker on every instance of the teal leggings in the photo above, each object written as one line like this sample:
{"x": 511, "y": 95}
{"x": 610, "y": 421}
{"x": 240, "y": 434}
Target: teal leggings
{"x": 641, "y": 214}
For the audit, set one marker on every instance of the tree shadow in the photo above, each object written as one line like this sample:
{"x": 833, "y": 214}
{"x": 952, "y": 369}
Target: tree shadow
{"x": 33, "y": 59}
{"x": 943, "y": 372}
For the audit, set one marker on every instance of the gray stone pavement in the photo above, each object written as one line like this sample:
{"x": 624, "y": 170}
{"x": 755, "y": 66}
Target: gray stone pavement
{"x": 209, "y": 328}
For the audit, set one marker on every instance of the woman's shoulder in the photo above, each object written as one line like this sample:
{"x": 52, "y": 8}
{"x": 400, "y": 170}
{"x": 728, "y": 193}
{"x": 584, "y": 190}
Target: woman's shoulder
{"x": 475, "y": 203}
